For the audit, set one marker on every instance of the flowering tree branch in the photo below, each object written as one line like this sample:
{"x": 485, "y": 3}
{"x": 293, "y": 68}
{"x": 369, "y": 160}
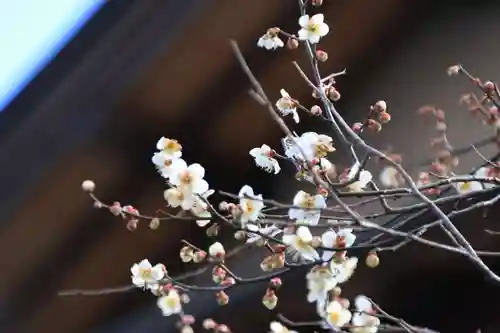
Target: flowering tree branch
{"x": 349, "y": 210}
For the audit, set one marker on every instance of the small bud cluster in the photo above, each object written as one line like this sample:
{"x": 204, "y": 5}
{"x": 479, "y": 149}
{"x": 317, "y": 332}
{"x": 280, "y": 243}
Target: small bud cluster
{"x": 377, "y": 116}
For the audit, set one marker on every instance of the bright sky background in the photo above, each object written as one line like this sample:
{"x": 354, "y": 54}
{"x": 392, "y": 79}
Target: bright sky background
{"x": 31, "y": 34}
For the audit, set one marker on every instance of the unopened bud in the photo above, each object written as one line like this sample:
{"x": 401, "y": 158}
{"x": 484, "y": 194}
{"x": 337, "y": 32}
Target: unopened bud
{"x": 441, "y": 126}
{"x": 275, "y": 283}
{"x": 374, "y": 125}
{"x": 217, "y": 250}
{"x": 154, "y": 223}
{"x": 270, "y": 300}
{"x": 384, "y": 117}
{"x": 357, "y": 127}
{"x": 380, "y": 106}
{"x": 439, "y": 114}
{"x": 240, "y": 235}
{"x": 229, "y": 281}
{"x": 316, "y": 110}
{"x": 223, "y": 206}
{"x": 187, "y": 319}
{"x": 115, "y": 208}
{"x": 333, "y": 94}
{"x": 292, "y": 43}
{"x": 222, "y": 298}
{"x": 316, "y": 3}
{"x": 372, "y": 260}
{"x": 88, "y": 186}
{"x": 489, "y": 86}
{"x": 337, "y": 291}
{"x": 132, "y": 224}
{"x": 453, "y": 70}
{"x": 321, "y": 55}
{"x": 199, "y": 256}
{"x": 209, "y": 324}
{"x": 222, "y": 329}
{"x": 186, "y": 254}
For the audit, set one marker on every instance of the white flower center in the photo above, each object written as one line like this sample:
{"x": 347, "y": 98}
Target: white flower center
{"x": 313, "y": 27}
{"x": 172, "y": 146}
{"x": 333, "y": 317}
{"x": 171, "y": 302}
{"x": 186, "y": 178}
{"x": 145, "y": 273}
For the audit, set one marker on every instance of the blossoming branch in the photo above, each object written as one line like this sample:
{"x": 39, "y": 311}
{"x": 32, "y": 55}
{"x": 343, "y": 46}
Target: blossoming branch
{"x": 317, "y": 228}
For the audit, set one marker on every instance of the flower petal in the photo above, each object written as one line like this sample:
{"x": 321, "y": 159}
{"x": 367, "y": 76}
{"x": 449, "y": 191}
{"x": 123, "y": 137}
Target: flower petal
{"x": 304, "y": 21}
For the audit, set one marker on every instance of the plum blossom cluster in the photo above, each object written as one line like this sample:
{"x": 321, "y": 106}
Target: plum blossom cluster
{"x": 318, "y": 228}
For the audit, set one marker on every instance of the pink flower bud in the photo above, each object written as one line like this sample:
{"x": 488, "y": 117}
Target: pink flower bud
{"x": 222, "y": 328}
{"x": 489, "y": 86}
{"x": 384, "y": 117}
{"x": 321, "y": 55}
{"x": 316, "y": 110}
{"x": 316, "y": 3}
{"x": 357, "y": 127}
{"x": 275, "y": 283}
{"x": 115, "y": 208}
{"x": 229, "y": 281}
{"x": 187, "y": 319}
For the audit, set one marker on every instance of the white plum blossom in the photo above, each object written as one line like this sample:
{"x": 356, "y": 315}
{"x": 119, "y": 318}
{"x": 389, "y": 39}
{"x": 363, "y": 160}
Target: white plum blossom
{"x": 200, "y": 209}
{"x": 270, "y": 41}
{"x": 309, "y": 145}
{"x": 264, "y": 159}
{"x": 313, "y": 28}
{"x": 362, "y": 321}
{"x": 216, "y": 250}
{"x": 277, "y": 327}
{"x": 389, "y": 177}
{"x": 144, "y": 275}
{"x": 169, "y": 147}
{"x": 188, "y": 179}
{"x": 320, "y": 281}
{"x": 468, "y": 187}
{"x": 286, "y": 105}
{"x": 170, "y": 304}
{"x": 177, "y": 198}
{"x": 364, "y": 178}
{"x": 250, "y": 208}
{"x": 163, "y": 163}
{"x": 343, "y": 271}
{"x": 310, "y": 205}
{"x": 344, "y": 238}
{"x": 300, "y": 242}
{"x": 336, "y": 315}
{"x": 270, "y": 231}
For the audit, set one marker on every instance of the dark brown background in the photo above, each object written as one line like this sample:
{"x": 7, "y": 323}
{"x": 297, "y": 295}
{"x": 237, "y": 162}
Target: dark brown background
{"x": 166, "y": 68}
